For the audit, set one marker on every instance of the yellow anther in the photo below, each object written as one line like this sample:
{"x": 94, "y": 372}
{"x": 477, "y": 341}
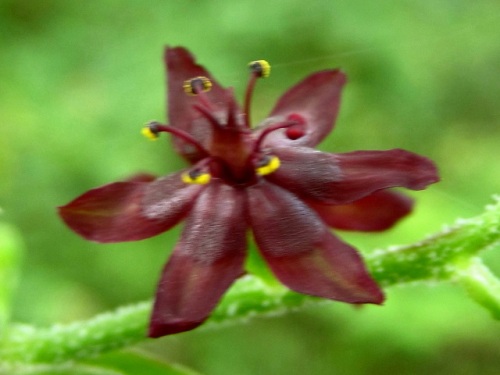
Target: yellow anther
{"x": 193, "y": 86}
{"x": 196, "y": 177}
{"x": 261, "y": 67}
{"x": 268, "y": 165}
{"x": 148, "y": 133}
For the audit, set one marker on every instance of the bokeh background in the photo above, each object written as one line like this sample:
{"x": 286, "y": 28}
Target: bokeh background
{"x": 79, "y": 79}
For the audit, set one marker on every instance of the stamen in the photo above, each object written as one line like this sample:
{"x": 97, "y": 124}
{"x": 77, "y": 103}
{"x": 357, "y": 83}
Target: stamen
{"x": 261, "y": 67}
{"x": 268, "y": 164}
{"x": 198, "y": 86}
{"x": 148, "y": 133}
{"x": 231, "y": 111}
{"x": 196, "y": 176}
{"x": 153, "y": 128}
{"x": 258, "y": 69}
{"x": 248, "y": 96}
{"x": 293, "y": 120}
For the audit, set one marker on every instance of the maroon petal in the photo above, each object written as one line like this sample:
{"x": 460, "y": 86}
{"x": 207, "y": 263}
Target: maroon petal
{"x": 130, "y": 210}
{"x": 206, "y": 261}
{"x": 316, "y": 99}
{"x": 345, "y": 178}
{"x": 302, "y": 252}
{"x": 141, "y": 177}
{"x": 181, "y": 66}
{"x": 376, "y": 212}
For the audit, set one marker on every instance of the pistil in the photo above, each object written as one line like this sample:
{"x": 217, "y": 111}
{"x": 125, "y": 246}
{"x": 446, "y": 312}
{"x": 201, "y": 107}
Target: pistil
{"x": 208, "y": 114}
{"x": 292, "y": 121}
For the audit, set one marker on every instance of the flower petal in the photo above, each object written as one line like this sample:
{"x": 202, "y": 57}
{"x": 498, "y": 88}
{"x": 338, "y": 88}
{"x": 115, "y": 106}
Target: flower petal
{"x": 376, "y": 212}
{"x": 141, "y": 177}
{"x": 206, "y": 261}
{"x": 345, "y": 178}
{"x": 302, "y": 252}
{"x": 317, "y": 100}
{"x": 181, "y": 66}
{"x": 130, "y": 210}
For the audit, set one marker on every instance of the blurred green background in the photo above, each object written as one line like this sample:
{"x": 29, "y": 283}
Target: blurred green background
{"x": 79, "y": 79}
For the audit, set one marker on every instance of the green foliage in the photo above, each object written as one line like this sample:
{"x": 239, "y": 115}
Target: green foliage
{"x": 137, "y": 363}
{"x": 78, "y": 80}
{"x": 447, "y": 255}
{"x": 10, "y": 257}
{"x": 119, "y": 363}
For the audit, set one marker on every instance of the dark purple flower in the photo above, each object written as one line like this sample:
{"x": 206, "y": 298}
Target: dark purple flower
{"x": 268, "y": 179}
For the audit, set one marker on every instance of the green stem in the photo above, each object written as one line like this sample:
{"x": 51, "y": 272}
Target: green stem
{"x": 60, "y": 343}
{"x": 440, "y": 257}
{"x": 481, "y": 284}
{"x": 435, "y": 257}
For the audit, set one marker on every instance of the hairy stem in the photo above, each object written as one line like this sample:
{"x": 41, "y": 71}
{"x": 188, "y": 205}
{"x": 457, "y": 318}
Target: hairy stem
{"x": 481, "y": 284}
{"x": 449, "y": 255}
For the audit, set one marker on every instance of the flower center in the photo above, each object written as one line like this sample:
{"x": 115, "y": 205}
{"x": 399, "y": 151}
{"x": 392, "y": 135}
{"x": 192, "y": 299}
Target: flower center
{"x": 231, "y": 152}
